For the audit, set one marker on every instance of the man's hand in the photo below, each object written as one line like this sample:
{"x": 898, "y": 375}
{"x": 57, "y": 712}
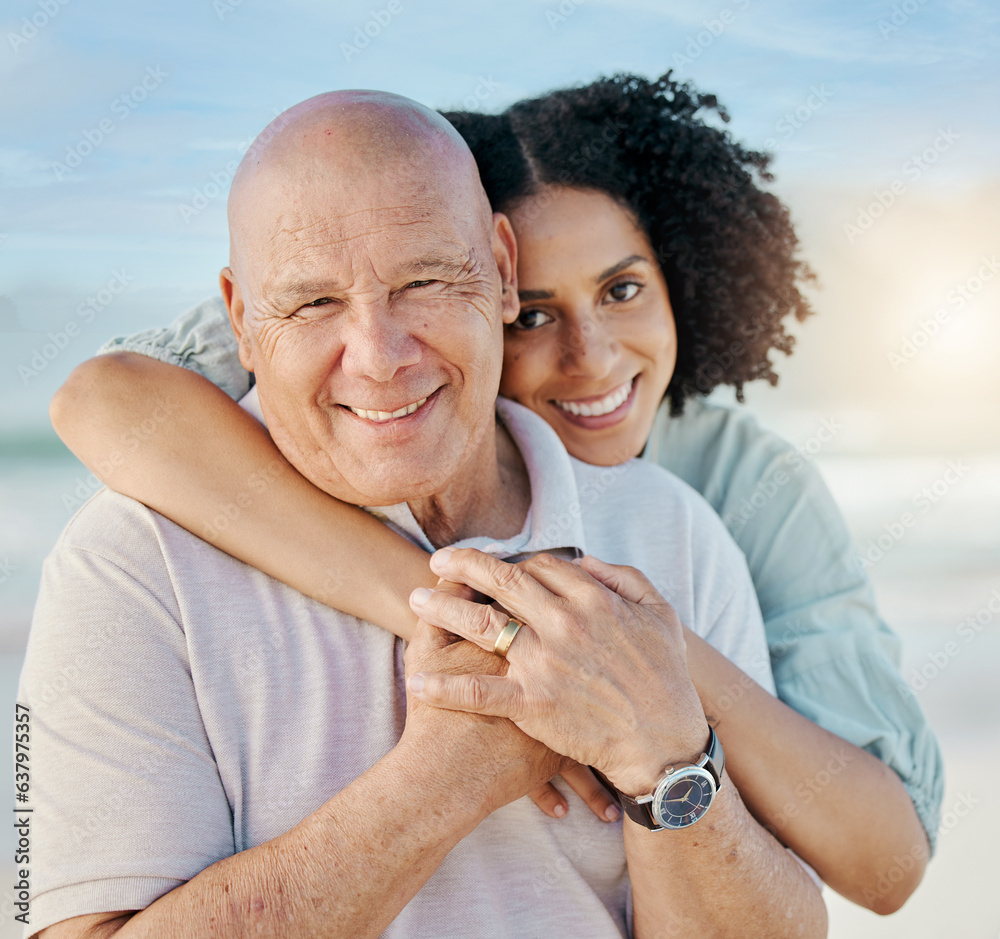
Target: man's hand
{"x": 579, "y": 778}
{"x": 499, "y": 761}
{"x": 599, "y": 670}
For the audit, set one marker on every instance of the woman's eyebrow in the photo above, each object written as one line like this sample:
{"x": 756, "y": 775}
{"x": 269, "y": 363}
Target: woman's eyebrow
{"x": 620, "y": 266}
{"x": 526, "y": 296}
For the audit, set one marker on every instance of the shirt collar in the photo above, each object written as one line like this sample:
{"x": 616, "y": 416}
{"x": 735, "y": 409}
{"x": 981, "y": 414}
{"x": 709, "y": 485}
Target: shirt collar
{"x": 553, "y": 523}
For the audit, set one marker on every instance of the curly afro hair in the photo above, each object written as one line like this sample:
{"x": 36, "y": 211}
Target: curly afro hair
{"x": 727, "y": 248}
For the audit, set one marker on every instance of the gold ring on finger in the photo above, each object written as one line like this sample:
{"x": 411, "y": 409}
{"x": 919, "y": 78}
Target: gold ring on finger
{"x": 506, "y": 637}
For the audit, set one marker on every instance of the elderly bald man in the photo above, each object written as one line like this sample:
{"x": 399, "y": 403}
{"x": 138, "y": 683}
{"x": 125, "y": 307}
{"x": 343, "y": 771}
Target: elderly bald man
{"x": 232, "y": 758}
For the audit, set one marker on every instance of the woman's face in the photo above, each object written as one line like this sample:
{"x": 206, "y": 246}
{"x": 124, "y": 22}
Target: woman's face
{"x": 594, "y": 346}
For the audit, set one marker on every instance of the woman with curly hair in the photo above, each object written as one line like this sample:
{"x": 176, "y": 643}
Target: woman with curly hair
{"x": 652, "y": 268}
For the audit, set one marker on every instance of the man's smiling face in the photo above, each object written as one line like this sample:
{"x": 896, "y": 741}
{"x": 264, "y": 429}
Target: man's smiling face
{"x": 369, "y": 305}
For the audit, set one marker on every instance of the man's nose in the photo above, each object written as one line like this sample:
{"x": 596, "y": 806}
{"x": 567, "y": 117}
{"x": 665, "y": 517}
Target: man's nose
{"x": 588, "y": 347}
{"x": 377, "y": 344}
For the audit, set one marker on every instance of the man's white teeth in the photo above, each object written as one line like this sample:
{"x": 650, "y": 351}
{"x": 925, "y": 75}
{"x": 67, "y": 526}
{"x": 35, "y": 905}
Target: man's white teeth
{"x": 380, "y": 417}
{"x": 596, "y": 408}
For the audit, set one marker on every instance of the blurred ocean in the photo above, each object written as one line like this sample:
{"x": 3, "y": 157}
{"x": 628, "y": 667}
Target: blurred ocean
{"x": 930, "y": 527}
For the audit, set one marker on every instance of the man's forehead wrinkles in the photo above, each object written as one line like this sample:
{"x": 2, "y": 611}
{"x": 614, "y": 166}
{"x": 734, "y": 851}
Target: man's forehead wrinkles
{"x": 403, "y": 213}
{"x": 330, "y": 233}
{"x": 408, "y": 210}
{"x": 384, "y": 241}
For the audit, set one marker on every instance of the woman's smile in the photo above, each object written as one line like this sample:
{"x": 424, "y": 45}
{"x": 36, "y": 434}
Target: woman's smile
{"x": 599, "y": 411}
{"x": 594, "y": 346}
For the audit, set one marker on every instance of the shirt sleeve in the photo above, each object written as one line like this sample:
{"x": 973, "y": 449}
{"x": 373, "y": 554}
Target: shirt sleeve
{"x": 126, "y": 799}
{"x": 834, "y": 659}
{"x": 736, "y": 629}
{"x": 200, "y": 339}
{"x": 734, "y": 626}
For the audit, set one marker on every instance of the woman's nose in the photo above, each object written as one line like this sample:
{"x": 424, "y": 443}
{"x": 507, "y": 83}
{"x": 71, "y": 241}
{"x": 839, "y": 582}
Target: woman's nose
{"x": 589, "y": 349}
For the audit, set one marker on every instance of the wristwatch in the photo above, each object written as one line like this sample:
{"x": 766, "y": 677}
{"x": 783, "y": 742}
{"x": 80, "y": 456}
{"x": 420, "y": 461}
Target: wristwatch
{"x": 683, "y": 794}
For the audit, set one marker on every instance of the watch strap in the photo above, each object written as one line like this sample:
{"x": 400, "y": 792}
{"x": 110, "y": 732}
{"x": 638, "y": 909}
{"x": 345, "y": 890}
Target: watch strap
{"x": 713, "y": 759}
{"x": 639, "y": 812}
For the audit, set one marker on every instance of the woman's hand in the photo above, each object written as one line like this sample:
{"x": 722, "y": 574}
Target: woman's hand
{"x": 597, "y": 674}
{"x": 586, "y": 785}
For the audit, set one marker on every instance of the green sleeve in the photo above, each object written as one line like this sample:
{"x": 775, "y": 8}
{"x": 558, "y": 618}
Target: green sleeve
{"x": 834, "y": 659}
{"x": 201, "y": 340}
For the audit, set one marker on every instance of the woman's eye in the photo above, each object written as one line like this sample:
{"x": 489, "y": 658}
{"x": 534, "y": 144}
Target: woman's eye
{"x": 624, "y": 291}
{"x": 531, "y": 319}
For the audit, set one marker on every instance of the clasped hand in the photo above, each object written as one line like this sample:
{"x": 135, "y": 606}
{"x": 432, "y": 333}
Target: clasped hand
{"x": 598, "y": 672}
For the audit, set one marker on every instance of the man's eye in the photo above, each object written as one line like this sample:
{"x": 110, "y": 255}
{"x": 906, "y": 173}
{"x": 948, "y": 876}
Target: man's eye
{"x": 626, "y": 290}
{"x": 419, "y": 283}
{"x": 322, "y": 301}
{"x": 531, "y": 319}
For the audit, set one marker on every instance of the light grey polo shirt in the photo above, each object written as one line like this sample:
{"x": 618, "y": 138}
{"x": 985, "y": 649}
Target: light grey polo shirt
{"x": 185, "y": 706}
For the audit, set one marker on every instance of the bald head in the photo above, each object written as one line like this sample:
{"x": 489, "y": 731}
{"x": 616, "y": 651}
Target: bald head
{"x": 368, "y": 285}
{"x": 346, "y": 143}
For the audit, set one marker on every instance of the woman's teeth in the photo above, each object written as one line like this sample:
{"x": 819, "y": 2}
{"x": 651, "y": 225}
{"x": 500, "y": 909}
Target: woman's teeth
{"x": 381, "y": 417}
{"x": 606, "y": 405}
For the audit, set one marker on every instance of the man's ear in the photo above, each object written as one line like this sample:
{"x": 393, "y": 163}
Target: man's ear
{"x": 237, "y": 313}
{"x": 505, "y": 253}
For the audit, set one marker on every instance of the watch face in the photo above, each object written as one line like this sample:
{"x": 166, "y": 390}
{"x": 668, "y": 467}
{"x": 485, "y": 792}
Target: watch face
{"x": 685, "y": 799}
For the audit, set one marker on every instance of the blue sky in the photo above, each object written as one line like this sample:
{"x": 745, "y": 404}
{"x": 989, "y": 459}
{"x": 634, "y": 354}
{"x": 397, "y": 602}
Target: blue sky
{"x": 122, "y": 119}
